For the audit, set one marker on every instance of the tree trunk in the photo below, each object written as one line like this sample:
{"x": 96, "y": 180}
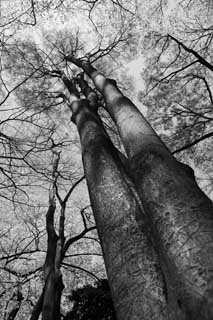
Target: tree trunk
{"x": 180, "y": 213}
{"x": 19, "y": 298}
{"x": 52, "y": 297}
{"x": 134, "y": 274}
{"x": 37, "y": 308}
{"x": 49, "y": 301}
{"x": 53, "y": 279}
{"x": 13, "y": 313}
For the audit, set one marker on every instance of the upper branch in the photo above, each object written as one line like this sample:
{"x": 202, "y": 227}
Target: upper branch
{"x": 193, "y": 52}
{"x": 196, "y": 141}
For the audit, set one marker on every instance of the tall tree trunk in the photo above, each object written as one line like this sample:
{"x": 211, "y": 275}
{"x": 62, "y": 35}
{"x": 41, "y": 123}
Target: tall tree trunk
{"x": 134, "y": 274}
{"x": 180, "y": 213}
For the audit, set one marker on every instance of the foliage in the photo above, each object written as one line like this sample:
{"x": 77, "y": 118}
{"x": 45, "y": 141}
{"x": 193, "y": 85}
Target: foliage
{"x": 92, "y": 303}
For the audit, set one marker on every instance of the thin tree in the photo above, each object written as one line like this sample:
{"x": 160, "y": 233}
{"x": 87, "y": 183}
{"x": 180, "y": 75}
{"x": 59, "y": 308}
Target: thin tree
{"x": 49, "y": 301}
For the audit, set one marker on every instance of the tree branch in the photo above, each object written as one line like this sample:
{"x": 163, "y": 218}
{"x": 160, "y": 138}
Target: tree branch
{"x": 189, "y": 145}
{"x": 193, "y": 52}
{"x": 81, "y": 269}
{"x": 72, "y": 188}
{"x": 76, "y": 238}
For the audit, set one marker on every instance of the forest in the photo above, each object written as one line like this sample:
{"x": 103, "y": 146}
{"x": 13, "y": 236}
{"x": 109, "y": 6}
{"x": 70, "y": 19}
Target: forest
{"x": 106, "y": 180}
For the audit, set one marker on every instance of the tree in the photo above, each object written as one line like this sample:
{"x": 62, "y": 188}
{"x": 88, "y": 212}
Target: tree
{"x": 154, "y": 223}
{"x": 50, "y": 300}
{"x": 178, "y": 211}
{"x": 123, "y": 243}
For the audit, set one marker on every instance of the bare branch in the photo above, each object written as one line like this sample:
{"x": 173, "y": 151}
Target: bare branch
{"x": 194, "y": 53}
{"x": 81, "y": 269}
{"x": 196, "y": 141}
{"x": 76, "y": 238}
{"x": 73, "y": 188}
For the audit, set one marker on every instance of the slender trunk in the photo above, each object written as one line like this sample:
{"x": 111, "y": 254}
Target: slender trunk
{"x": 52, "y": 297}
{"x": 134, "y": 274}
{"x": 180, "y": 213}
{"x": 53, "y": 279}
{"x": 37, "y": 308}
{"x": 49, "y": 301}
{"x": 13, "y": 313}
{"x": 19, "y": 298}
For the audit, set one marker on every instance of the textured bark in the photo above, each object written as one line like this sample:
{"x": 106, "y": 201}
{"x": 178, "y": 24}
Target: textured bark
{"x": 134, "y": 274}
{"x": 182, "y": 219}
{"x": 179, "y": 212}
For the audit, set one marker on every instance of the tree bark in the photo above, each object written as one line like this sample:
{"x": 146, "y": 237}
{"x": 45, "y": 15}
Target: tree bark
{"x": 180, "y": 214}
{"x": 135, "y": 278}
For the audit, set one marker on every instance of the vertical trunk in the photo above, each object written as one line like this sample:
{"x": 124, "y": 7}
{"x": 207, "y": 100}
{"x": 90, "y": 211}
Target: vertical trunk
{"x": 49, "y": 301}
{"x": 37, "y": 308}
{"x": 53, "y": 279}
{"x": 18, "y": 297}
{"x": 49, "y": 297}
{"x": 135, "y": 277}
{"x": 52, "y": 297}
{"x": 13, "y": 313}
{"x": 180, "y": 214}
